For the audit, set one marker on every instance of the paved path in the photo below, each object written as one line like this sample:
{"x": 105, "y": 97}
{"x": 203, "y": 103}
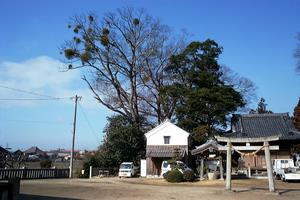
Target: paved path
{"x": 144, "y": 189}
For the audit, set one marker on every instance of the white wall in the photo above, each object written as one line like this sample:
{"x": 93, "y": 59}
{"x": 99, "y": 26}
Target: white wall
{"x": 178, "y": 136}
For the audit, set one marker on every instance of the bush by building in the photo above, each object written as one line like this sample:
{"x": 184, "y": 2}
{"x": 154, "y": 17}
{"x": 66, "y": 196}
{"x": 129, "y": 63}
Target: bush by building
{"x": 188, "y": 175}
{"x": 174, "y": 176}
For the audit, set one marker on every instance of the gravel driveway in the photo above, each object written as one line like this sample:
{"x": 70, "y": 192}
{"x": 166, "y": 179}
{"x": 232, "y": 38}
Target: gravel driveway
{"x": 144, "y": 189}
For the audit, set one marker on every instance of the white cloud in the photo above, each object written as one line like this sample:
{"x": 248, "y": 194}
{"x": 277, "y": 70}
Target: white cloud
{"x": 41, "y": 75}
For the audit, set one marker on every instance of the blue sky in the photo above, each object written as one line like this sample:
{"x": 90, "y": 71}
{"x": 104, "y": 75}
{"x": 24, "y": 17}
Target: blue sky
{"x": 258, "y": 37}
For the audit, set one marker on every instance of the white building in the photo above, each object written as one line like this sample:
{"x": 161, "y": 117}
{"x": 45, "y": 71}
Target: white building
{"x": 162, "y": 142}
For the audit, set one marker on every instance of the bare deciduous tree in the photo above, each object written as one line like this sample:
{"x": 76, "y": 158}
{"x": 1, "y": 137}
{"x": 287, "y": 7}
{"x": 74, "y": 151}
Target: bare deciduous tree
{"x": 241, "y": 84}
{"x": 123, "y": 57}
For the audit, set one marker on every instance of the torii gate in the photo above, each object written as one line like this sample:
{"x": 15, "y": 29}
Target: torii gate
{"x": 266, "y": 148}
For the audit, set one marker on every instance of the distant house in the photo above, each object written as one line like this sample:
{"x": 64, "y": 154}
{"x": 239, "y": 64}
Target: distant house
{"x": 162, "y": 142}
{"x": 4, "y": 151}
{"x": 18, "y": 152}
{"x": 265, "y": 125}
{"x": 35, "y": 151}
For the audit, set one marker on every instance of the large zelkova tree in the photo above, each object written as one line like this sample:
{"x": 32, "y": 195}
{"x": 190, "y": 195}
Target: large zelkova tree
{"x": 123, "y": 56}
{"x": 204, "y": 100}
{"x": 297, "y": 54}
{"x": 296, "y": 118}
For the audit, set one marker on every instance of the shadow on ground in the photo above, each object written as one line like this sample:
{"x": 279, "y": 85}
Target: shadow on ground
{"x": 38, "y": 197}
{"x": 278, "y": 190}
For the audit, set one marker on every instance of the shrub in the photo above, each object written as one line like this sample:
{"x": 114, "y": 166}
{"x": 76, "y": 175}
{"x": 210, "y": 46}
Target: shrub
{"x": 174, "y": 176}
{"x": 188, "y": 175}
{"x": 45, "y": 163}
{"x": 166, "y": 174}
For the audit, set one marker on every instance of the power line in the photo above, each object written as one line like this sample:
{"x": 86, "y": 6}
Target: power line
{"x": 27, "y": 92}
{"x": 32, "y": 99}
{"x": 36, "y": 121}
{"x": 89, "y": 124}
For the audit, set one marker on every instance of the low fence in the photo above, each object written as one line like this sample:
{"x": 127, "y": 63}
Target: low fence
{"x": 6, "y": 174}
{"x": 100, "y": 171}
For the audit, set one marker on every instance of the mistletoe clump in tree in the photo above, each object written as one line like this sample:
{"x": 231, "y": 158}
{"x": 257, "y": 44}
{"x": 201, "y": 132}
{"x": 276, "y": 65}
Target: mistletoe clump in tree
{"x": 123, "y": 57}
{"x": 203, "y": 99}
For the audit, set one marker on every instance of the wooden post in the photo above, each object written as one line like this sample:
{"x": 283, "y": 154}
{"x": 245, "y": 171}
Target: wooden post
{"x": 269, "y": 167}
{"x": 221, "y": 168}
{"x": 228, "y": 166}
{"x": 201, "y": 168}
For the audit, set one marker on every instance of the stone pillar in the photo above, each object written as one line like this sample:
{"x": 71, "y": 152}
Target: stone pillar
{"x": 269, "y": 167}
{"x": 249, "y": 171}
{"x": 91, "y": 172}
{"x": 221, "y": 168}
{"x": 228, "y": 166}
{"x": 201, "y": 168}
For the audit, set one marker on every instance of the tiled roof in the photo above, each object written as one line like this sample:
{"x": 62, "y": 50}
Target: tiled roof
{"x": 165, "y": 151}
{"x": 264, "y": 125}
{"x": 34, "y": 150}
{"x": 4, "y": 151}
{"x": 210, "y": 145}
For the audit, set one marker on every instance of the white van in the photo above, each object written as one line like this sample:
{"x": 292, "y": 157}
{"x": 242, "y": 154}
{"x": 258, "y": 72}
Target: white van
{"x": 166, "y": 166}
{"x": 285, "y": 169}
{"x": 127, "y": 169}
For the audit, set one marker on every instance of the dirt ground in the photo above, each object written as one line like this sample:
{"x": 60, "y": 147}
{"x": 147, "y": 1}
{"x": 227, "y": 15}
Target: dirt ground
{"x": 144, "y": 189}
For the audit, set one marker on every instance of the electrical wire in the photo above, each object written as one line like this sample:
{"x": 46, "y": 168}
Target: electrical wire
{"x": 30, "y": 99}
{"x": 88, "y": 123}
{"x": 30, "y": 92}
{"x": 36, "y": 122}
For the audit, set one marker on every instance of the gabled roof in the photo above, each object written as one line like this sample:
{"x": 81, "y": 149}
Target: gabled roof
{"x": 34, "y": 150}
{"x": 210, "y": 145}
{"x": 4, "y": 151}
{"x": 164, "y": 125}
{"x": 264, "y": 125}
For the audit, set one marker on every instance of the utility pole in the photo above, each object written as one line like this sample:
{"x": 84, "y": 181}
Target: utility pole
{"x": 73, "y": 135}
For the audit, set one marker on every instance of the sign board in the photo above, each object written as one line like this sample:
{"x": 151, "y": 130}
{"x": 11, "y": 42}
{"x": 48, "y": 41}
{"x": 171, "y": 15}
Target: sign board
{"x": 143, "y": 168}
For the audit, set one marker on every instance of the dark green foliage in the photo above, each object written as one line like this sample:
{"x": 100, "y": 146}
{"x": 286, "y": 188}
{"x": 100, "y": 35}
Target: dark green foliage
{"x": 166, "y": 174}
{"x": 188, "y": 175}
{"x": 91, "y": 18}
{"x": 45, "y": 163}
{"x": 104, "y": 40}
{"x": 77, "y": 40}
{"x": 203, "y": 100}
{"x": 85, "y": 57}
{"x": 75, "y": 30}
{"x": 70, "y": 53}
{"x": 105, "y": 31}
{"x": 296, "y": 119}
{"x": 123, "y": 141}
{"x": 136, "y": 21}
{"x": 174, "y": 176}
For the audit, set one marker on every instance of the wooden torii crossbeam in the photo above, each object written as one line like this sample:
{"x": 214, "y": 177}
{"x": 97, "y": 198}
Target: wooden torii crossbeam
{"x": 266, "y": 148}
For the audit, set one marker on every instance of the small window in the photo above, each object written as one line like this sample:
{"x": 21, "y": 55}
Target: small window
{"x": 167, "y": 139}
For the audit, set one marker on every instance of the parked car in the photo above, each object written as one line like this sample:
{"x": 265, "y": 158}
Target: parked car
{"x": 127, "y": 169}
{"x": 285, "y": 170}
{"x": 167, "y": 166}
